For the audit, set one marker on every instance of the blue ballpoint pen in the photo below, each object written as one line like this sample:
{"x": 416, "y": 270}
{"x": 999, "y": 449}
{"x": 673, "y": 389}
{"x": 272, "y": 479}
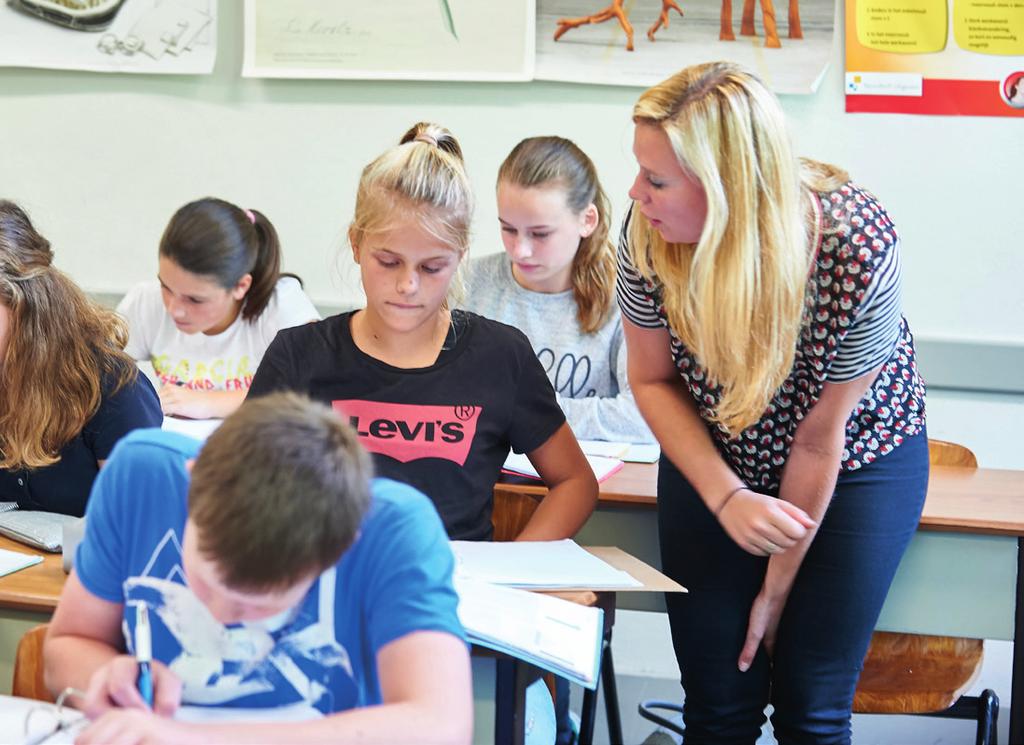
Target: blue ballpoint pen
{"x": 144, "y": 653}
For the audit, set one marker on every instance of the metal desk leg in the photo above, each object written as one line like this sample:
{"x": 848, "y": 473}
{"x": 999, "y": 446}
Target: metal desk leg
{"x": 1017, "y": 681}
{"x": 512, "y": 678}
{"x": 611, "y": 694}
{"x": 611, "y": 700}
{"x": 588, "y": 716}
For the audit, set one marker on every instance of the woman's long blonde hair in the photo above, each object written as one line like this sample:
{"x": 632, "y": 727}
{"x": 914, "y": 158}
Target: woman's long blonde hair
{"x": 60, "y": 350}
{"x": 539, "y": 162}
{"x": 423, "y": 175}
{"x": 736, "y": 298}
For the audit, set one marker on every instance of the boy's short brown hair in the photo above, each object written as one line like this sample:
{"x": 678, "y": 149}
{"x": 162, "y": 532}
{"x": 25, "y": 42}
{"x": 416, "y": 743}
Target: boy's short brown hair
{"x": 278, "y": 492}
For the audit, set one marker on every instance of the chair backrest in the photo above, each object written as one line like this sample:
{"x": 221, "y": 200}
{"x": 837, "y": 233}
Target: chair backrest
{"x": 28, "y": 666}
{"x": 512, "y": 511}
{"x": 944, "y": 453}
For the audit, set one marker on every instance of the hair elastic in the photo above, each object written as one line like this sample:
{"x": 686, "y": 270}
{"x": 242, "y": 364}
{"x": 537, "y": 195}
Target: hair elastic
{"x": 424, "y": 137}
{"x": 250, "y": 215}
{"x": 721, "y": 505}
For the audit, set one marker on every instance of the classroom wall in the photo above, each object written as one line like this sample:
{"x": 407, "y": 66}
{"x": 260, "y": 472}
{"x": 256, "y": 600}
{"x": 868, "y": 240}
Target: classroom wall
{"x": 103, "y": 160}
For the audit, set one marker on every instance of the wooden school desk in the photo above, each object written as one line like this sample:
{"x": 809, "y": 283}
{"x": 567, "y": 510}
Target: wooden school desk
{"x": 512, "y": 676}
{"x": 27, "y": 599}
{"x": 963, "y": 574}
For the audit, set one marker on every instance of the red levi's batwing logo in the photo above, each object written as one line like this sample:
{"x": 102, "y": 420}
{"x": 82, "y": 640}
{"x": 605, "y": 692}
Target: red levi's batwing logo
{"x": 408, "y": 432}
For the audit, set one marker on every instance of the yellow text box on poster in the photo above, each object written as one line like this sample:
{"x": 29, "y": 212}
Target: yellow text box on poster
{"x": 907, "y": 26}
{"x": 989, "y": 26}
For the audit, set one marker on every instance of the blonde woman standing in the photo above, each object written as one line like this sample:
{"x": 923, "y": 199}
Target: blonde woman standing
{"x": 769, "y": 355}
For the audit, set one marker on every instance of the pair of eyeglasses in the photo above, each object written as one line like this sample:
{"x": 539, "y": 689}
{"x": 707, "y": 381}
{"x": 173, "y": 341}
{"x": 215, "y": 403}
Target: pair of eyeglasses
{"x": 59, "y": 718}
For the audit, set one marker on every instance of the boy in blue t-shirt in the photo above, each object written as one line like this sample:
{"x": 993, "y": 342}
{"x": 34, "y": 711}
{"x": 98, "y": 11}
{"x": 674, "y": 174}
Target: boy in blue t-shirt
{"x": 275, "y": 572}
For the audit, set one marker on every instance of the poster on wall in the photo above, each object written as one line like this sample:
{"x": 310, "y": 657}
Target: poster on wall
{"x": 586, "y": 41}
{"x": 398, "y": 39}
{"x": 935, "y": 57}
{"x": 144, "y": 36}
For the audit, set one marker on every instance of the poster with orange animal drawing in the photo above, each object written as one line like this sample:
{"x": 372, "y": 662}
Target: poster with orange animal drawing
{"x": 641, "y": 42}
{"x": 935, "y": 57}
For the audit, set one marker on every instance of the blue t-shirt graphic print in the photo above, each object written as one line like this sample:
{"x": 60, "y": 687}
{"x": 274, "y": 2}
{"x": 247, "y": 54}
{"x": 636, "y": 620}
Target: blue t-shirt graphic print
{"x": 394, "y": 580}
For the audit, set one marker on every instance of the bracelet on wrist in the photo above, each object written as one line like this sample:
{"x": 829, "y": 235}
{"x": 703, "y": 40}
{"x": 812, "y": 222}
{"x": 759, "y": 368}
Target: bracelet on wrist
{"x": 721, "y": 505}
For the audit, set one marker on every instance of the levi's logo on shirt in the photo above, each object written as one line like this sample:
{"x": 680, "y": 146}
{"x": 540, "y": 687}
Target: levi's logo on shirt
{"x": 408, "y": 432}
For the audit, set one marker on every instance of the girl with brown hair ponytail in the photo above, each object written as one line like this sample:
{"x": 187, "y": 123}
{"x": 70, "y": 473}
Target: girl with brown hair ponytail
{"x": 69, "y": 391}
{"x": 219, "y": 299}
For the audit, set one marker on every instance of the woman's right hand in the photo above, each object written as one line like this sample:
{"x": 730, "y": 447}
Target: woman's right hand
{"x": 763, "y": 525}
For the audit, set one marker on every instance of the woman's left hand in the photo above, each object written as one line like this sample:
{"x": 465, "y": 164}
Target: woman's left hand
{"x": 764, "y": 622}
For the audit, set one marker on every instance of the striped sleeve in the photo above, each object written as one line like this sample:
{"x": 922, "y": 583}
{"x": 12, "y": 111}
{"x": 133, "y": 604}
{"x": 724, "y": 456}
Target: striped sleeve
{"x": 636, "y": 302}
{"x": 876, "y": 329}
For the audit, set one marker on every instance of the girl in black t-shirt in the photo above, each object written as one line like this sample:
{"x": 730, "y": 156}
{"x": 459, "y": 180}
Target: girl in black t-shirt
{"x": 438, "y": 396}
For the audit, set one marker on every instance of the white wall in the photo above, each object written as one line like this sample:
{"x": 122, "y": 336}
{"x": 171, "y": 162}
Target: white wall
{"x": 103, "y": 160}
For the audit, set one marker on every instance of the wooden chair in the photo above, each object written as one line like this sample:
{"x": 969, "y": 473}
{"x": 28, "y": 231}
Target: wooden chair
{"x": 512, "y": 511}
{"x": 28, "y": 679}
{"x": 927, "y": 675}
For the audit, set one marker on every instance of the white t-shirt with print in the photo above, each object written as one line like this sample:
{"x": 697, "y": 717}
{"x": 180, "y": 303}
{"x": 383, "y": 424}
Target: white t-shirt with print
{"x": 218, "y": 362}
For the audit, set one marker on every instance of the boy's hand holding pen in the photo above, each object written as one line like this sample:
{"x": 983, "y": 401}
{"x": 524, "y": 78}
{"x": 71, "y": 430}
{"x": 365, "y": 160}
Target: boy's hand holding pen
{"x": 134, "y": 682}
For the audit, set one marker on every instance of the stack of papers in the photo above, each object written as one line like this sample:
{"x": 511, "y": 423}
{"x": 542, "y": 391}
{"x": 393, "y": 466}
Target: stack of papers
{"x": 520, "y": 465}
{"x": 550, "y": 633}
{"x": 537, "y": 565}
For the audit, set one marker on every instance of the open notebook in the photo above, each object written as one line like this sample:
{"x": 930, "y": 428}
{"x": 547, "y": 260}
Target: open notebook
{"x": 519, "y": 465}
{"x": 550, "y": 633}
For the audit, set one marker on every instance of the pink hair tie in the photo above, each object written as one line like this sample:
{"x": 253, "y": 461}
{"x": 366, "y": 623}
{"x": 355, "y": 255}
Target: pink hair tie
{"x": 250, "y": 215}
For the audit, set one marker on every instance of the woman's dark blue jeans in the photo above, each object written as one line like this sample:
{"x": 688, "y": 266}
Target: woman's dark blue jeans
{"x": 827, "y": 622}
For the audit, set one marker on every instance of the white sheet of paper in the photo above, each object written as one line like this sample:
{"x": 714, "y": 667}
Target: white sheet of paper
{"x": 631, "y": 452}
{"x": 198, "y": 429}
{"x": 41, "y": 722}
{"x": 537, "y": 564}
{"x": 603, "y": 448}
{"x": 642, "y": 453}
{"x": 13, "y": 711}
{"x": 12, "y": 561}
{"x": 602, "y": 467}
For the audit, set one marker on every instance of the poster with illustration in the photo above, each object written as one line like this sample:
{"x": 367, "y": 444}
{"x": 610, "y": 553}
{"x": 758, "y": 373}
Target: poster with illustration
{"x": 935, "y": 56}
{"x": 144, "y": 36}
{"x": 642, "y": 42}
{"x": 398, "y": 39}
